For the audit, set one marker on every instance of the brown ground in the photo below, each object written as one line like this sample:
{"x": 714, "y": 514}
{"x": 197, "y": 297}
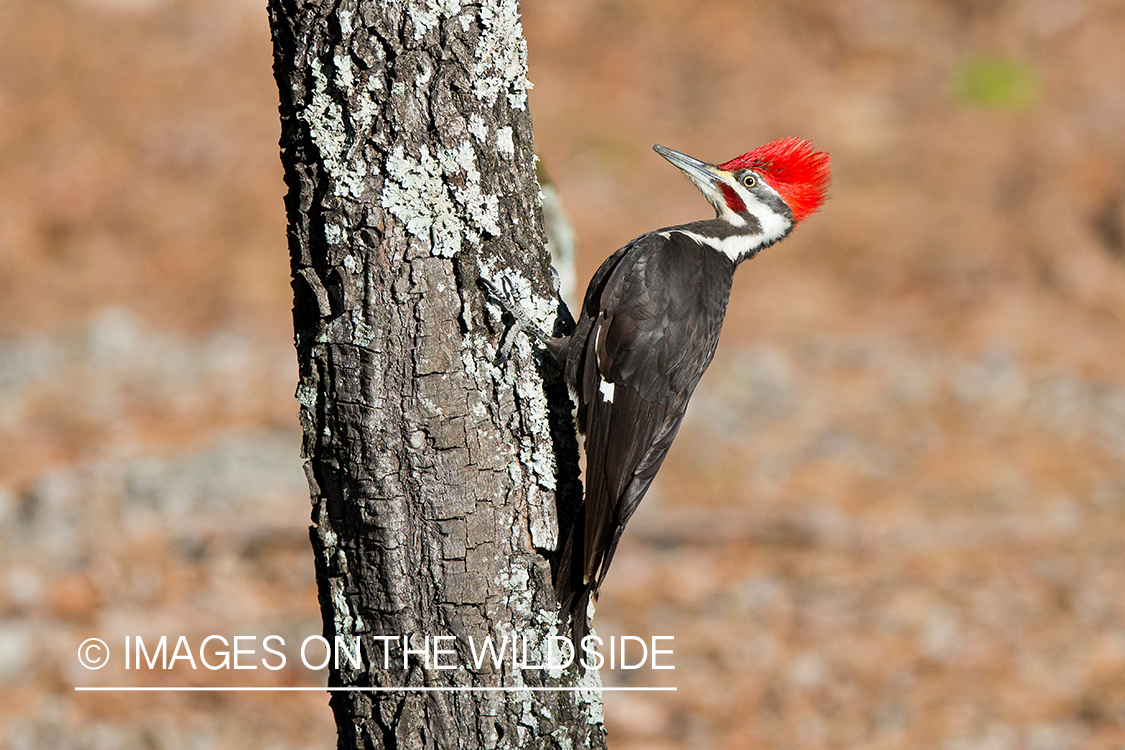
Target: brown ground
{"x": 895, "y": 516}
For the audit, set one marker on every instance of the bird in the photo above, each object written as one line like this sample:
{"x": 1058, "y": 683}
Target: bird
{"x": 647, "y": 331}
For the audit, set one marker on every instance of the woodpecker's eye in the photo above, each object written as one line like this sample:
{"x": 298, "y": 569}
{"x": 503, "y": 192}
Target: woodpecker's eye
{"x": 749, "y": 180}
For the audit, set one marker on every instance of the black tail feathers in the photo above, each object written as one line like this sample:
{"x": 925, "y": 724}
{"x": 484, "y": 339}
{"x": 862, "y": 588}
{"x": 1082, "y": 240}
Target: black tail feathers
{"x": 572, "y": 591}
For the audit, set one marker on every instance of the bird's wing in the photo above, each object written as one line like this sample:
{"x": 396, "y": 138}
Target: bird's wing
{"x": 654, "y": 333}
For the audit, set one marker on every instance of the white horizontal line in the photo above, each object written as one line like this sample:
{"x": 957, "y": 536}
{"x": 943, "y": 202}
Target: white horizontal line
{"x": 439, "y": 689}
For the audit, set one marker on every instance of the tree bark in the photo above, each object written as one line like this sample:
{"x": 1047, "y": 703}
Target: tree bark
{"x": 437, "y": 477}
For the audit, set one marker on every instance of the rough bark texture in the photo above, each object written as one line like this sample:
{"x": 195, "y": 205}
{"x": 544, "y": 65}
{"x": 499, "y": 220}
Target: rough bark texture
{"x": 437, "y": 478}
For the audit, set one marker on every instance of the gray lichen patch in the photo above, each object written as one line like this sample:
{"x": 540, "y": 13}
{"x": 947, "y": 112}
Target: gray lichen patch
{"x": 536, "y": 452}
{"x": 591, "y": 695}
{"x": 334, "y": 234}
{"x": 478, "y": 127}
{"x": 515, "y": 581}
{"x": 325, "y": 120}
{"x": 543, "y": 520}
{"x": 482, "y": 209}
{"x": 504, "y": 142}
{"x": 425, "y": 16}
{"x": 501, "y": 55}
{"x": 416, "y": 195}
{"x": 418, "y": 192}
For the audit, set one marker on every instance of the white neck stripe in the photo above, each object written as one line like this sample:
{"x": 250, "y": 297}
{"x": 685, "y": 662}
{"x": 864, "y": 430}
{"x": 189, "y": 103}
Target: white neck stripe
{"x": 734, "y": 247}
{"x": 738, "y": 246}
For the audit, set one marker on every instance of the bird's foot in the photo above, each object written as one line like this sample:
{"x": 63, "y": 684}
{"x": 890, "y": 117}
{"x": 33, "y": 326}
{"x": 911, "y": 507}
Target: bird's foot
{"x": 520, "y": 320}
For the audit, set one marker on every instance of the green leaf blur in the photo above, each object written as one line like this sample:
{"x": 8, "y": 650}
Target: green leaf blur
{"x": 998, "y": 83}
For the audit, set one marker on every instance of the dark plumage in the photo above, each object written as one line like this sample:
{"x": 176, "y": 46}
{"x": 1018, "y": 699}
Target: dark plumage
{"x": 649, "y": 326}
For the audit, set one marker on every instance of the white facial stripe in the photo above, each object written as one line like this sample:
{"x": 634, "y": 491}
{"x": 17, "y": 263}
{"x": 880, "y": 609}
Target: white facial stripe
{"x": 774, "y": 225}
{"x": 769, "y": 219}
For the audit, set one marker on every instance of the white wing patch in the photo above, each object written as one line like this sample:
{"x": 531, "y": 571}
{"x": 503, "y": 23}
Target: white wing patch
{"x": 606, "y": 388}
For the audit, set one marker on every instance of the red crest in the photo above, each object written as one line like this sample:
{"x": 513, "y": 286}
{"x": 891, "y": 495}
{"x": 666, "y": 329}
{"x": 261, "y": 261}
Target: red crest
{"x": 791, "y": 166}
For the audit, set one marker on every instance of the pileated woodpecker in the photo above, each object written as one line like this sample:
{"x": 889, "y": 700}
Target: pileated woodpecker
{"x": 648, "y": 329}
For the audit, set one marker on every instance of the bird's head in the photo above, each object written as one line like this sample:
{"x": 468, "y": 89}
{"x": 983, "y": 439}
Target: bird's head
{"x": 766, "y": 191}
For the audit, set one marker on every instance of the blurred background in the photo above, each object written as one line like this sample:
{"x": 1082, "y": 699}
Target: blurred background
{"x": 895, "y": 517}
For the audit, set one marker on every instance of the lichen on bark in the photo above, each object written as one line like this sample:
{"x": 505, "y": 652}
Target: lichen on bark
{"x": 437, "y": 476}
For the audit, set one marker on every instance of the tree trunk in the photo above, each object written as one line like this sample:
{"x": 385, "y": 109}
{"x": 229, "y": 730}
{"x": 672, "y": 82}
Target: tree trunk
{"x": 437, "y": 477}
